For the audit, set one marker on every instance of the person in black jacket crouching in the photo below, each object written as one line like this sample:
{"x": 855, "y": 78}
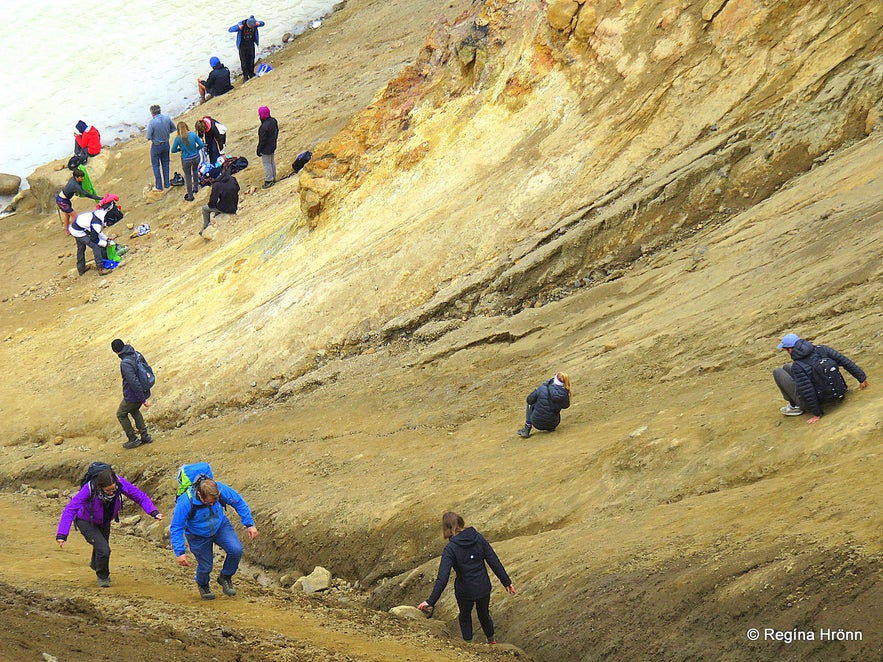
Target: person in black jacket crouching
{"x": 466, "y": 552}
{"x": 814, "y": 377}
{"x": 224, "y": 199}
{"x": 545, "y": 403}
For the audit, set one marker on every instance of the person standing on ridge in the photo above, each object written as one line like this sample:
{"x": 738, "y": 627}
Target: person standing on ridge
{"x": 545, "y": 403}
{"x": 134, "y": 395}
{"x": 93, "y": 508}
{"x": 467, "y": 552}
{"x": 814, "y": 377}
{"x": 199, "y": 515}
{"x": 159, "y": 129}
{"x": 268, "y": 133}
{"x": 218, "y": 81}
{"x": 246, "y": 39}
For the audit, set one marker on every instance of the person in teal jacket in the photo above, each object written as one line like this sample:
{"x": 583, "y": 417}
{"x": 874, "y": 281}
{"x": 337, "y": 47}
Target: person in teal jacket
{"x": 189, "y": 144}
{"x": 199, "y": 515}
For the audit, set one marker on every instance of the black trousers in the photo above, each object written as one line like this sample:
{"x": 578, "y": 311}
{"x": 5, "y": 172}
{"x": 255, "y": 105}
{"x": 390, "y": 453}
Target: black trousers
{"x": 482, "y": 608}
{"x": 246, "y": 59}
{"x": 99, "y": 537}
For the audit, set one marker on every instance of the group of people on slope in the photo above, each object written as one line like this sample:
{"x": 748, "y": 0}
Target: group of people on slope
{"x": 199, "y": 518}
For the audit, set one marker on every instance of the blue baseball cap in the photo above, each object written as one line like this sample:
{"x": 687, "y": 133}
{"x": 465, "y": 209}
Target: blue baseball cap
{"x": 214, "y": 61}
{"x": 789, "y": 341}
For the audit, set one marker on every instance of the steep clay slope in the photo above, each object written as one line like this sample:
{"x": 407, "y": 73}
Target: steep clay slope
{"x": 612, "y": 189}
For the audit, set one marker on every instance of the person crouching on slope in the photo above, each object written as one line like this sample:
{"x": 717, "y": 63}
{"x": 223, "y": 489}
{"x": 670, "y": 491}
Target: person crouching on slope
{"x": 545, "y": 403}
{"x": 467, "y": 552}
{"x": 199, "y": 514}
{"x": 813, "y": 378}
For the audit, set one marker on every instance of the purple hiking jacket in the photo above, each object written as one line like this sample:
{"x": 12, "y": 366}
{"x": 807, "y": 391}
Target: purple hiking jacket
{"x": 91, "y": 509}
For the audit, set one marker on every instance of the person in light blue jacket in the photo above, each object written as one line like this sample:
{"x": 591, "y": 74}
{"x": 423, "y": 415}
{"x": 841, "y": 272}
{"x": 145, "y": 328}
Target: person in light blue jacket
{"x": 199, "y": 515}
{"x": 189, "y": 144}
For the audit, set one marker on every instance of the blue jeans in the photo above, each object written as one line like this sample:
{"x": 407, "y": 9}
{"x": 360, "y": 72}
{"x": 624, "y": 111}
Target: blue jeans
{"x": 203, "y": 549}
{"x": 159, "y": 154}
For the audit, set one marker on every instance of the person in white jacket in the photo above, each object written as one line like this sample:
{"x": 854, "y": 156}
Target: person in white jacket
{"x": 88, "y": 229}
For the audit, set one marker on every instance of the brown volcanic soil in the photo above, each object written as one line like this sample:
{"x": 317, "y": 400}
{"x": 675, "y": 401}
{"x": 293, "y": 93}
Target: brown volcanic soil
{"x": 672, "y": 511}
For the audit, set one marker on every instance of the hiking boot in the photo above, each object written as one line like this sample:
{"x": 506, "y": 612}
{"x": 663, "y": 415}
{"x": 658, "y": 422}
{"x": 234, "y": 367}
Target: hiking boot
{"x": 146, "y": 438}
{"x": 104, "y": 272}
{"x": 133, "y": 442}
{"x": 227, "y": 585}
{"x": 269, "y": 183}
{"x": 104, "y": 582}
{"x": 524, "y": 431}
{"x": 491, "y": 642}
{"x": 205, "y": 592}
{"x": 188, "y": 197}
{"x": 791, "y": 410}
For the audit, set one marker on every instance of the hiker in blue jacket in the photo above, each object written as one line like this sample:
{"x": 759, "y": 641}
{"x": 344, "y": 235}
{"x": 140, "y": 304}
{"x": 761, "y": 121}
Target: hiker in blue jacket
{"x": 199, "y": 515}
{"x": 246, "y": 39}
{"x": 545, "y": 403}
{"x": 93, "y": 508}
{"x": 797, "y": 381}
{"x": 133, "y": 396}
{"x": 466, "y": 552}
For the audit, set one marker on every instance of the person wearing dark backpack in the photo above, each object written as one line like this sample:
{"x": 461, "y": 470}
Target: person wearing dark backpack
{"x": 813, "y": 377}
{"x": 199, "y": 515}
{"x": 94, "y": 507}
{"x": 136, "y": 392}
{"x": 544, "y": 404}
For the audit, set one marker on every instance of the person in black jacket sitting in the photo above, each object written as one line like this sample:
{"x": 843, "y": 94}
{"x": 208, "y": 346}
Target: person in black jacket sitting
{"x": 797, "y": 380}
{"x": 545, "y": 403}
{"x": 218, "y": 81}
{"x": 466, "y": 552}
{"x": 224, "y": 199}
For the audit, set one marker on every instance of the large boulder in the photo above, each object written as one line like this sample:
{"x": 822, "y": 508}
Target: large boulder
{"x": 47, "y": 180}
{"x": 9, "y": 184}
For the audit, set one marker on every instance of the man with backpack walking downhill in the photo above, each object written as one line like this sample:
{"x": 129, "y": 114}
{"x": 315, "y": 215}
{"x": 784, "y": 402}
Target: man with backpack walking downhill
{"x": 814, "y": 377}
{"x": 138, "y": 379}
{"x": 199, "y": 515}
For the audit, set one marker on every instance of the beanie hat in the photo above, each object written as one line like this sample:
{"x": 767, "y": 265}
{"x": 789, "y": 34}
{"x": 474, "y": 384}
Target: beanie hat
{"x": 251, "y": 22}
{"x": 82, "y": 126}
{"x": 263, "y": 112}
{"x": 117, "y": 346}
{"x": 214, "y": 61}
{"x": 789, "y": 341}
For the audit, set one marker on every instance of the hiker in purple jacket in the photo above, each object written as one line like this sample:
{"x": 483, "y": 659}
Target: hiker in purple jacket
{"x": 93, "y": 508}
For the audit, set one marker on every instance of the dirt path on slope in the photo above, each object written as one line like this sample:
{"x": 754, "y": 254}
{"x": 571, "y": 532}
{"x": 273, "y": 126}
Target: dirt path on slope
{"x": 51, "y": 604}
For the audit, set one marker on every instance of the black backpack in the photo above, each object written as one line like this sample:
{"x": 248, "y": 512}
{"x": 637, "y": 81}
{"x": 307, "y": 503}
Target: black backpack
{"x": 826, "y": 378}
{"x": 92, "y": 472}
{"x": 302, "y": 159}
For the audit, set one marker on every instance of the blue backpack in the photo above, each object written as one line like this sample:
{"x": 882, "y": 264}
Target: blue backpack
{"x": 146, "y": 376}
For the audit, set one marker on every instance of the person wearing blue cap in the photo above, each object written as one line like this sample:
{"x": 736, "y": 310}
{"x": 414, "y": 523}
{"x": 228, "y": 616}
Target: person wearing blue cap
{"x": 813, "y": 378}
{"x": 246, "y": 39}
{"x": 218, "y": 81}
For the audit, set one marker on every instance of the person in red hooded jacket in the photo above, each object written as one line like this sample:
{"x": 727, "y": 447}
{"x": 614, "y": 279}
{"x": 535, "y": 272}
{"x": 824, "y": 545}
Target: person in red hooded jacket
{"x": 87, "y": 141}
